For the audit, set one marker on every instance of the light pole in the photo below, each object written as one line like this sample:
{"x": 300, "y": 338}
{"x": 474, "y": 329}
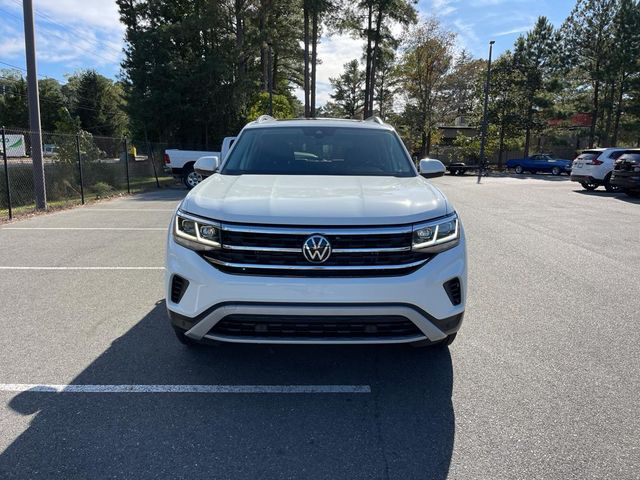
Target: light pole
{"x": 483, "y": 134}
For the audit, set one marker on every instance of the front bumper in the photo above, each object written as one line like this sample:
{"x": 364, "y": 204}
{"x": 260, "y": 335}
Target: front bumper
{"x": 419, "y": 297}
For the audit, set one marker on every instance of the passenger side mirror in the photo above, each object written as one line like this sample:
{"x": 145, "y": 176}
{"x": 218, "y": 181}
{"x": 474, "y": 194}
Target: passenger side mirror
{"x": 205, "y": 166}
{"x": 431, "y": 168}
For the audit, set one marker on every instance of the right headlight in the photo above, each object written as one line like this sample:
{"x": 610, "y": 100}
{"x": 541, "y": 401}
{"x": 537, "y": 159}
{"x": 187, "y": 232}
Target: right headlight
{"x": 436, "y": 236}
{"x": 196, "y": 233}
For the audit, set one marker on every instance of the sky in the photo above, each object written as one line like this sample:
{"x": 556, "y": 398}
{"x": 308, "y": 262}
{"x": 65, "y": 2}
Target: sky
{"x": 72, "y": 35}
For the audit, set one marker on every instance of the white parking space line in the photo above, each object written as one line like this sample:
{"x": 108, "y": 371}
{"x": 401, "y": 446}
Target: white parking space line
{"x": 98, "y": 209}
{"x": 45, "y": 388}
{"x": 126, "y": 229}
{"x": 80, "y": 268}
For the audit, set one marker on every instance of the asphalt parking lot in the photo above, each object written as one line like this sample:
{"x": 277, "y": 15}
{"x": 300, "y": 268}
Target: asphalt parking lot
{"x": 542, "y": 382}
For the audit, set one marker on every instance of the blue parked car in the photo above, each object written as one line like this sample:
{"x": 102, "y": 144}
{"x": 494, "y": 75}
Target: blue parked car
{"x": 542, "y": 162}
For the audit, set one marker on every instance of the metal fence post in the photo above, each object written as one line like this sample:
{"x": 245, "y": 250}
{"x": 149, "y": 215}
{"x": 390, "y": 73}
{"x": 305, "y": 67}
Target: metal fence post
{"x": 6, "y": 173}
{"x": 80, "y": 168}
{"x": 126, "y": 164}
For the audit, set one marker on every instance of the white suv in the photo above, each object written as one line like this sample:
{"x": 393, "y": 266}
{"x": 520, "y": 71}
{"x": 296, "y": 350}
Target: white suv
{"x": 316, "y": 231}
{"x": 593, "y": 168}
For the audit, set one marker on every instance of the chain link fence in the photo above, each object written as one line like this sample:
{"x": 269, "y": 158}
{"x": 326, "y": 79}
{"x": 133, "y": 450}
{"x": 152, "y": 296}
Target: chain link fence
{"x": 77, "y": 168}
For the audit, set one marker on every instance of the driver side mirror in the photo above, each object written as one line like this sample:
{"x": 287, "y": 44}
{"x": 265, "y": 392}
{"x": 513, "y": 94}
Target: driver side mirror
{"x": 431, "y": 168}
{"x": 206, "y": 166}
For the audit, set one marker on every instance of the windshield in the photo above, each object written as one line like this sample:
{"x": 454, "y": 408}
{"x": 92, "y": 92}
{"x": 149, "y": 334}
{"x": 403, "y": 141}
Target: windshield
{"x": 318, "y": 151}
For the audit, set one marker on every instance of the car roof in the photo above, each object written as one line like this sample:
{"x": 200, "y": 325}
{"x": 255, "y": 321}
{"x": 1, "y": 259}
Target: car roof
{"x": 606, "y": 149}
{"x": 267, "y": 122}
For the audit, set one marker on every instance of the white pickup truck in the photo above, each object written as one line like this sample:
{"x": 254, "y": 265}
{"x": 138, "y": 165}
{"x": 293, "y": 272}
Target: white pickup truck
{"x": 180, "y": 162}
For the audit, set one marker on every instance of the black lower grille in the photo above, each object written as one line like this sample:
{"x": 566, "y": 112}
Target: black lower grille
{"x": 315, "y": 327}
{"x": 454, "y": 291}
{"x": 178, "y": 288}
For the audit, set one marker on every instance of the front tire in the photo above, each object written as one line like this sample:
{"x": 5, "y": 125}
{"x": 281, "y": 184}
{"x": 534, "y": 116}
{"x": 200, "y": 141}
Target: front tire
{"x": 519, "y": 170}
{"x": 589, "y": 186}
{"x": 556, "y": 171}
{"x": 190, "y": 178}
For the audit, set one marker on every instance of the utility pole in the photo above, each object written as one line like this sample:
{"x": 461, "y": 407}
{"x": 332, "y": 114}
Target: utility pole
{"x": 483, "y": 138}
{"x": 34, "y": 106}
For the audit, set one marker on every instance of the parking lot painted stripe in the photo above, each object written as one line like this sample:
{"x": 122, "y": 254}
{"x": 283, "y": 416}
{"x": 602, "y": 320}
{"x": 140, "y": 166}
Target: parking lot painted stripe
{"x": 158, "y": 229}
{"x": 35, "y": 387}
{"x": 80, "y": 268}
{"x": 97, "y": 209}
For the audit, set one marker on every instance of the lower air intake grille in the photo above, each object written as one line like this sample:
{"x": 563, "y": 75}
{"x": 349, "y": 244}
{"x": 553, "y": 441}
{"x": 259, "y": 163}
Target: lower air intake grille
{"x": 452, "y": 287}
{"x": 178, "y": 287}
{"x": 310, "y": 327}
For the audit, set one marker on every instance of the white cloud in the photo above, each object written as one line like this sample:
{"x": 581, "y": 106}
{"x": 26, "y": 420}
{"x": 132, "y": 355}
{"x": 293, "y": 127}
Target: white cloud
{"x": 511, "y": 31}
{"x": 441, "y": 8}
{"x": 334, "y": 52}
{"x": 76, "y": 33}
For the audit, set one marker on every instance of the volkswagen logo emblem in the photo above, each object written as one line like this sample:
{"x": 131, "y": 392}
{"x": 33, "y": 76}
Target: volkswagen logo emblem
{"x": 316, "y": 249}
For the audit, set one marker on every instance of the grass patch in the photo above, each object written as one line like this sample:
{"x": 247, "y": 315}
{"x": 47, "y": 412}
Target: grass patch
{"x": 93, "y": 193}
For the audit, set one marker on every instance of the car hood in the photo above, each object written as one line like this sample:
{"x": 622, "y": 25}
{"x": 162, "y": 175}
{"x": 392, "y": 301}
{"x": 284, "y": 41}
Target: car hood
{"x": 316, "y": 200}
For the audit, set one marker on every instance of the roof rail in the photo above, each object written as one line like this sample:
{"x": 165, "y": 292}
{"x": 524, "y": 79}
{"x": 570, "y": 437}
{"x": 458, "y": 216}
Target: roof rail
{"x": 374, "y": 119}
{"x": 265, "y": 118}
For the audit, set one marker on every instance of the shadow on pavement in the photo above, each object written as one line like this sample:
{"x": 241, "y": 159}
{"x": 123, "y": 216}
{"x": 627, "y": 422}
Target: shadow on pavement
{"x": 603, "y": 193}
{"x": 535, "y": 176}
{"x": 403, "y": 429}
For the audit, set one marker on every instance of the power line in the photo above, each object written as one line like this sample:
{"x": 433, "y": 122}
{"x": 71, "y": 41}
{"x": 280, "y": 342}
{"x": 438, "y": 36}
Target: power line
{"x": 15, "y": 67}
{"x": 48, "y": 19}
{"x": 56, "y": 34}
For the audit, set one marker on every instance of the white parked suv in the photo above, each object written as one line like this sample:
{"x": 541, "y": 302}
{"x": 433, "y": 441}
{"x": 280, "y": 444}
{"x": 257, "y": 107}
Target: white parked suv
{"x": 316, "y": 231}
{"x": 593, "y": 168}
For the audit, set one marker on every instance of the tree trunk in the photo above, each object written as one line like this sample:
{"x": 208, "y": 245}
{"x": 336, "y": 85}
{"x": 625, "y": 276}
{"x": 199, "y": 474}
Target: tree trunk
{"x": 594, "y": 112}
{"x": 314, "y": 60}
{"x": 367, "y": 81}
{"x": 374, "y": 56}
{"x": 306, "y": 61}
{"x": 610, "y": 103}
{"x": 527, "y": 134}
{"x": 423, "y": 148}
{"x": 501, "y": 146}
{"x": 381, "y": 97}
{"x": 619, "y": 109}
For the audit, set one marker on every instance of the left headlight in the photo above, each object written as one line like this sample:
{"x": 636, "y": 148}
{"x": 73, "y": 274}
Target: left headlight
{"x": 196, "y": 233}
{"x": 436, "y": 236}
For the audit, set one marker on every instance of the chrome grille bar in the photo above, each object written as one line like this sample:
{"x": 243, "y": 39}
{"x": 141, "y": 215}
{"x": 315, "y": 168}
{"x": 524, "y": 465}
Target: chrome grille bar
{"x": 299, "y": 250}
{"x": 392, "y": 230}
{"x": 327, "y": 268}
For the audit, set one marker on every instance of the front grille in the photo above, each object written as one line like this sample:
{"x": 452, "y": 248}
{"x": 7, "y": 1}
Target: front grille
{"x": 356, "y": 251}
{"x": 315, "y": 327}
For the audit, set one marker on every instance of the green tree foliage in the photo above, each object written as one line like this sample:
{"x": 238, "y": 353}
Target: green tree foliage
{"x": 423, "y": 69}
{"x": 282, "y": 107}
{"x": 97, "y": 102}
{"x": 13, "y": 101}
{"x": 348, "y": 92}
{"x": 372, "y": 20}
{"x": 536, "y": 63}
{"x": 193, "y": 68}
{"x": 588, "y": 33}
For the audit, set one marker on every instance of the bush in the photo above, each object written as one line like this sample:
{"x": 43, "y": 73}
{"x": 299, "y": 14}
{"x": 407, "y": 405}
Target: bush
{"x": 101, "y": 189}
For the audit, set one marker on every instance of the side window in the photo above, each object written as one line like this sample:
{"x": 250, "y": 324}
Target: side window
{"x": 617, "y": 154}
